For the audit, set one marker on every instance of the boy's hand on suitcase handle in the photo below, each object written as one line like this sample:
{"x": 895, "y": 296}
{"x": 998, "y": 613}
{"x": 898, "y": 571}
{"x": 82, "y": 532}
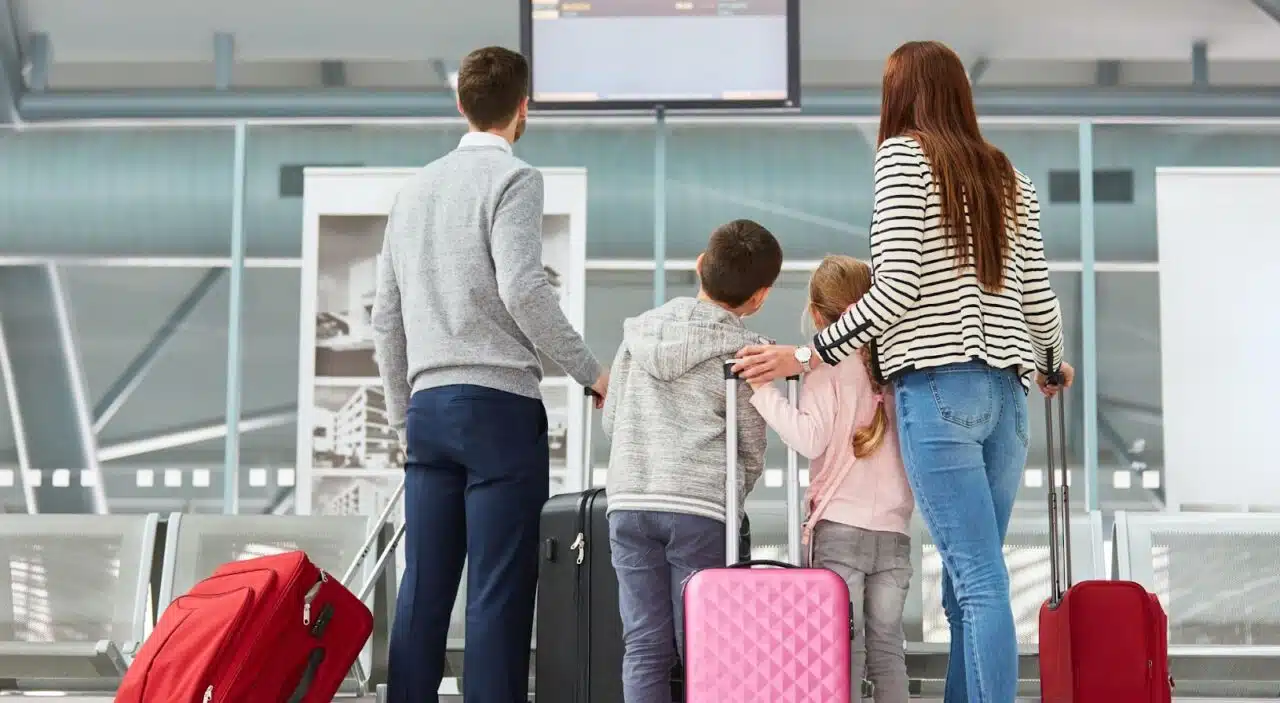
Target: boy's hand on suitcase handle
{"x": 1051, "y": 384}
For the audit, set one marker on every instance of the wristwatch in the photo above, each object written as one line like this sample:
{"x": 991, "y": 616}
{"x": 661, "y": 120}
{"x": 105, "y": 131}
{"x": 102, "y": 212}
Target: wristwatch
{"x": 804, "y": 355}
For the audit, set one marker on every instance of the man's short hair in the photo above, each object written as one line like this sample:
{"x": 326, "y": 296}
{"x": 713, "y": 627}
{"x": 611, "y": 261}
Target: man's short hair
{"x": 491, "y": 84}
{"x": 741, "y": 258}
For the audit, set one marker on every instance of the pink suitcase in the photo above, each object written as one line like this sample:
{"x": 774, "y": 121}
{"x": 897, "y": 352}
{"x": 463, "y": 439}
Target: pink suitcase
{"x": 765, "y": 635}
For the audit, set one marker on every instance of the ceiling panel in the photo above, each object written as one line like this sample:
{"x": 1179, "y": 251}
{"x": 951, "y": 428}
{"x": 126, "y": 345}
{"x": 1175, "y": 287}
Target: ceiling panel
{"x": 381, "y": 30}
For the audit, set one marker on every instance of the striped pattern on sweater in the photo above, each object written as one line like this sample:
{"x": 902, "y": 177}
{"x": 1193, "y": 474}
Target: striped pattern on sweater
{"x": 922, "y": 310}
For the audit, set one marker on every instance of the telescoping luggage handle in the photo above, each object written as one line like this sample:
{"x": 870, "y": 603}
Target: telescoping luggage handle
{"x": 589, "y": 404}
{"x": 731, "y": 499}
{"x": 1059, "y": 503}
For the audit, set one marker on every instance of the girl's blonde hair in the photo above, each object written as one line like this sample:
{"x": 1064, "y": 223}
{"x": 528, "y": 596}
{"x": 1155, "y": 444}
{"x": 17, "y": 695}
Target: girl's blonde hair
{"x": 839, "y": 282}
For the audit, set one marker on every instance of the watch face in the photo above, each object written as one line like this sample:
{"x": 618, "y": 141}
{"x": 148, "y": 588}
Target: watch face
{"x": 803, "y": 354}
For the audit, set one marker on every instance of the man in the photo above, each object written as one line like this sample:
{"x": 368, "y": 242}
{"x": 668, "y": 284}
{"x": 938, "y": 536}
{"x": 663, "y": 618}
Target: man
{"x": 463, "y": 307}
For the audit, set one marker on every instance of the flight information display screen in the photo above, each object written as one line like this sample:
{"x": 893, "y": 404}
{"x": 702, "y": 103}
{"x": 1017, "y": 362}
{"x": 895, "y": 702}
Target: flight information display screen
{"x": 644, "y": 54}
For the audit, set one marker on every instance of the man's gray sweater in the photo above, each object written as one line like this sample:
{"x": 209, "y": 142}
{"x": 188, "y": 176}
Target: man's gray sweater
{"x": 665, "y": 411}
{"x": 462, "y": 297}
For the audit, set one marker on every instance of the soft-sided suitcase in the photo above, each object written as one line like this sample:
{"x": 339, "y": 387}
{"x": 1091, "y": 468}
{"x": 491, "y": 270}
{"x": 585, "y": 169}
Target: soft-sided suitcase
{"x": 274, "y": 629}
{"x": 1100, "y": 641}
{"x": 765, "y": 635}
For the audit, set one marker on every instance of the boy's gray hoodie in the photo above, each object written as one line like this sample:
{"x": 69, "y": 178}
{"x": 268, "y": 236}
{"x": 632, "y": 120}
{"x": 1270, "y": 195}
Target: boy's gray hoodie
{"x": 665, "y": 411}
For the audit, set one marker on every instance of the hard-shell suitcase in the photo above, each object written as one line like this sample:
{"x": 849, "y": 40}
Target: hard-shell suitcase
{"x": 274, "y": 629}
{"x": 577, "y": 613}
{"x": 759, "y": 635}
{"x": 1100, "y": 641}
{"x": 578, "y": 598}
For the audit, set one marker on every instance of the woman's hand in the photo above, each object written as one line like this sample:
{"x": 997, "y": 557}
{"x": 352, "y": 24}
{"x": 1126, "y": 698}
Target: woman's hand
{"x": 1050, "y": 390}
{"x": 761, "y": 363}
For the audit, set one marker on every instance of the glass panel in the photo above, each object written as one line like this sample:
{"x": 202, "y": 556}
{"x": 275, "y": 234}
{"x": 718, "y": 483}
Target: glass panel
{"x": 1040, "y": 151}
{"x": 118, "y": 312}
{"x": 1130, "y": 421}
{"x": 156, "y": 191}
{"x": 1127, "y": 232}
{"x": 158, "y": 444}
{"x": 619, "y": 163}
{"x": 810, "y": 184}
{"x": 275, "y": 157}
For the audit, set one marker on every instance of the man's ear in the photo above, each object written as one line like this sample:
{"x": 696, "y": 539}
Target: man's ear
{"x": 458, "y": 104}
{"x": 697, "y": 265}
{"x": 524, "y": 108}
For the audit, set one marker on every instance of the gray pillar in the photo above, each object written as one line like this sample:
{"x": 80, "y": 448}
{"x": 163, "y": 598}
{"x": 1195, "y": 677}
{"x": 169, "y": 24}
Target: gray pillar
{"x": 51, "y": 418}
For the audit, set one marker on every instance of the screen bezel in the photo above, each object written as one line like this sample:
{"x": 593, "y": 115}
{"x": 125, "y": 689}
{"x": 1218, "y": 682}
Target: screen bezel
{"x": 791, "y": 101}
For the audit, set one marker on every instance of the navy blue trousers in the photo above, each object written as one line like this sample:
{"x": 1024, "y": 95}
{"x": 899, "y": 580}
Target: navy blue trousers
{"x": 476, "y": 478}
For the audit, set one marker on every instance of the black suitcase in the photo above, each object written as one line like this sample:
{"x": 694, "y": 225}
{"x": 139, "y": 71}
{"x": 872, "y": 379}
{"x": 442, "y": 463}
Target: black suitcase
{"x": 579, "y": 654}
{"x": 579, "y": 657}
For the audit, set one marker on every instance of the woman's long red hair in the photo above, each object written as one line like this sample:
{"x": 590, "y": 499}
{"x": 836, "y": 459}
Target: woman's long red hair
{"x": 927, "y": 96}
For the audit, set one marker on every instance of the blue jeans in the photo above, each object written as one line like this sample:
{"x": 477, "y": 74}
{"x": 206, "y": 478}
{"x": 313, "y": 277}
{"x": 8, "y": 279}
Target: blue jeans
{"x": 654, "y": 554}
{"x": 476, "y": 477}
{"x": 963, "y": 432}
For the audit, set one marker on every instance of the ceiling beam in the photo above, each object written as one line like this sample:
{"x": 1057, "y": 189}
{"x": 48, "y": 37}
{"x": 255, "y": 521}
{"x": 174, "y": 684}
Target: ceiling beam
{"x": 39, "y": 58}
{"x": 1271, "y": 8}
{"x": 231, "y": 105}
{"x": 1200, "y": 64}
{"x": 224, "y": 59}
{"x": 1108, "y": 73}
{"x": 12, "y": 84}
{"x": 333, "y": 74}
{"x": 172, "y": 439}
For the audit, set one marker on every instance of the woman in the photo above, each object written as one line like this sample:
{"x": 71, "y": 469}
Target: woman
{"x": 962, "y": 315}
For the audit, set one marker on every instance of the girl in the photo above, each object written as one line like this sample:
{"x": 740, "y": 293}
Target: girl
{"x": 859, "y": 500}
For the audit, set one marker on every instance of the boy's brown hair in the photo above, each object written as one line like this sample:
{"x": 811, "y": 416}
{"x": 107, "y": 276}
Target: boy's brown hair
{"x": 492, "y": 82}
{"x": 742, "y": 258}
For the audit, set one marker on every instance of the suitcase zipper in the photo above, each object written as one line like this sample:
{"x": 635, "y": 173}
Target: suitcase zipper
{"x": 311, "y": 596}
{"x": 580, "y": 544}
{"x": 208, "y": 695}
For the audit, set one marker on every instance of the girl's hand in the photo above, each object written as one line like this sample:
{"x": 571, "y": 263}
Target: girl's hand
{"x": 760, "y": 364}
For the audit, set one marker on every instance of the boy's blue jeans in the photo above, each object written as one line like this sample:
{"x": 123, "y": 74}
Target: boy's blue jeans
{"x": 654, "y": 553}
{"x": 963, "y": 432}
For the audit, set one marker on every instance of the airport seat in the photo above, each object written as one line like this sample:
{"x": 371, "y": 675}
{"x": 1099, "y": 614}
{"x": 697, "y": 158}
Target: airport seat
{"x": 197, "y": 544}
{"x": 1216, "y": 575}
{"x": 1027, "y": 557}
{"x": 74, "y": 599}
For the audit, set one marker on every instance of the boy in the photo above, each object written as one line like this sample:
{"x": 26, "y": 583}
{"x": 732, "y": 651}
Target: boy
{"x": 665, "y": 415}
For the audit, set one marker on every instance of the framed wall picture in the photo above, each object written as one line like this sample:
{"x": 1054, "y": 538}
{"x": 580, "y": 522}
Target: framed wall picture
{"x": 343, "y": 427}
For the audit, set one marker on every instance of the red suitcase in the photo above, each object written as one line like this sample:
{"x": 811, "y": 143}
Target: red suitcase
{"x": 1100, "y": 641}
{"x": 275, "y": 629}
